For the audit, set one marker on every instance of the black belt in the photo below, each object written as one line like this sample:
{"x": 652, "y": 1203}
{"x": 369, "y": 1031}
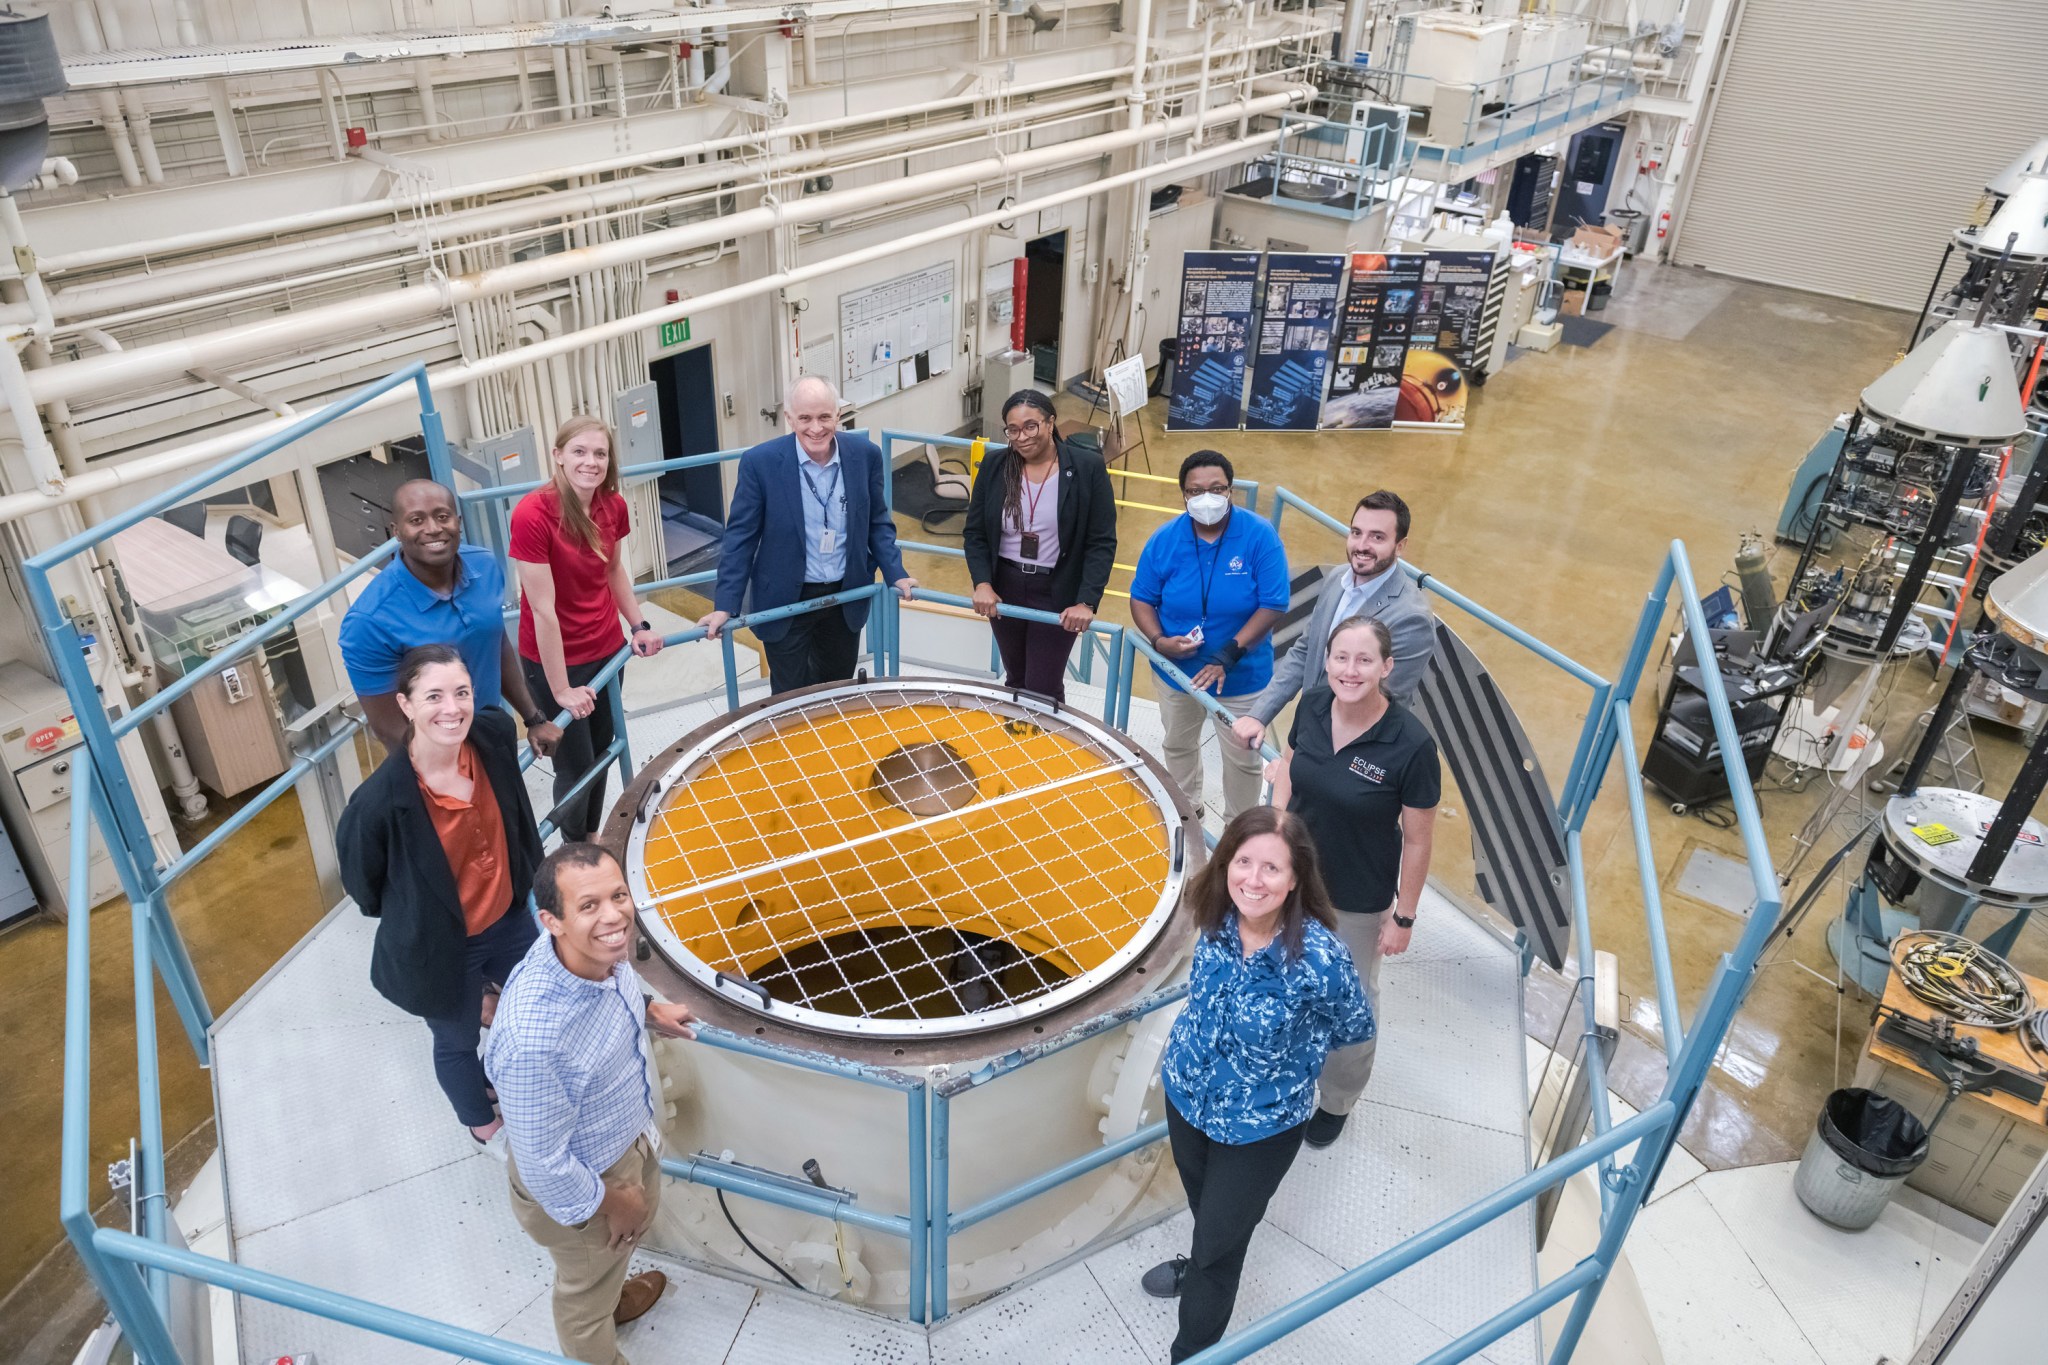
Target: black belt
{"x": 1021, "y": 567}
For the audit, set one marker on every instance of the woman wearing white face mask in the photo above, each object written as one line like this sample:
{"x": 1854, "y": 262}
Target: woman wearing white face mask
{"x": 1209, "y": 588}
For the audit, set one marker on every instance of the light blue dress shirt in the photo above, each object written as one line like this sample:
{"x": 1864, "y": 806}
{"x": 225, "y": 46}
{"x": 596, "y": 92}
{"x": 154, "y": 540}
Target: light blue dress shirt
{"x": 823, "y": 494}
{"x": 1357, "y": 597}
{"x": 568, "y": 1057}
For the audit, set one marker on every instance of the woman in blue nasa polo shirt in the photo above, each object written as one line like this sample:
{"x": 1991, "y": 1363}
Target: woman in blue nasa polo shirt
{"x": 1270, "y": 993}
{"x": 1209, "y": 588}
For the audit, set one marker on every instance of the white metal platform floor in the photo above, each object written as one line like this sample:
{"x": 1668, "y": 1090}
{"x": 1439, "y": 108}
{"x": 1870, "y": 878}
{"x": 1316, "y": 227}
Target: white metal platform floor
{"x": 343, "y": 1168}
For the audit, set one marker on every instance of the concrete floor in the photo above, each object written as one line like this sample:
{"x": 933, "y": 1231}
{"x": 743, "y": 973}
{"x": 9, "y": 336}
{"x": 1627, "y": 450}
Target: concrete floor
{"x": 1553, "y": 508}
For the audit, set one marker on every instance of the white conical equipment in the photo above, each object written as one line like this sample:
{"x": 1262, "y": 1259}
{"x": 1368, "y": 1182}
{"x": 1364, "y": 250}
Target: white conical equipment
{"x": 2018, "y": 600}
{"x": 2021, "y": 220}
{"x": 2032, "y": 161}
{"x": 1957, "y": 387}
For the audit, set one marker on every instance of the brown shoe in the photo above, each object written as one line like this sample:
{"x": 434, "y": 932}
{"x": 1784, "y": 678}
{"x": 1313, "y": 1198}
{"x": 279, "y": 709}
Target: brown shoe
{"x": 638, "y": 1295}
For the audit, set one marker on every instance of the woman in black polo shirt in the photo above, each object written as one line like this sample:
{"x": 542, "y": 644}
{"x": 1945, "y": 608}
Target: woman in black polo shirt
{"x": 1362, "y": 773}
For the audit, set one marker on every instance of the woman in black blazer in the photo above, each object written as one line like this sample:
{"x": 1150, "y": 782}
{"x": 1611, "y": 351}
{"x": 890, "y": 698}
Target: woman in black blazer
{"x": 1041, "y": 533}
{"x": 439, "y": 846}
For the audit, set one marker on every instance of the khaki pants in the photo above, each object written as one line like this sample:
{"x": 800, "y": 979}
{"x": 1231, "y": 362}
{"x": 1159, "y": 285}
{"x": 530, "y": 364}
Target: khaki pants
{"x": 1184, "y": 716}
{"x": 1349, "y": 1068}
{"x": 588, "y": 1274}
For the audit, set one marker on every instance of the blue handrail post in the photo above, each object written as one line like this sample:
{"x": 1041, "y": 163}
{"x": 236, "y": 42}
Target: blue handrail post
{"x": 920, "y": 1201}
{"x": 1613, "y": 1228}
{"x": 732, "y": 669}
{"x": 152, "y": 1197}
{"x": 1575, "y": 776}
{"x": 615, "y": 698}
{"x": 939, "y": 1208}
{"x": 1624, "y": 692}
{"x": 439, "y": 461}
{"x": 141, "y": 1319}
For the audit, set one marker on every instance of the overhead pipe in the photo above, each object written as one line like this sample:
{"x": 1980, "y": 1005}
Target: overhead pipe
{"x": 85, "y": 20}
{"x": 176, "y": 282}
{"x": 108, "y": 30}
{"x": 169, "y": 462}
{"x": 312, "y": 220}
{"x": 283, "y": 333}
{"x": 145, "y": 138}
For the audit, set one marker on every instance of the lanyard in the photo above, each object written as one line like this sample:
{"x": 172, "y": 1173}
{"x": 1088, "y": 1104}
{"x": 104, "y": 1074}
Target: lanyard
{"x": 1031, "y": 499}
{"x": 1210, "y": 577}
{"x": 824, "y": 498}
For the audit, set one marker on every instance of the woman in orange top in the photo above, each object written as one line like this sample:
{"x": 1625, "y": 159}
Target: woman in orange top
{"x": 439, "y": 846}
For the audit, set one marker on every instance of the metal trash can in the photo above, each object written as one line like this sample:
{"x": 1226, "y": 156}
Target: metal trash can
{"x": 1862, "y": 1147}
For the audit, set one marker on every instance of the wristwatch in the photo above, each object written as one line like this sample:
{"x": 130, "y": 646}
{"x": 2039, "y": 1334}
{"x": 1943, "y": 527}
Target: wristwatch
{"x": 1408, "y": 923}
{"x": 642, "y": 626}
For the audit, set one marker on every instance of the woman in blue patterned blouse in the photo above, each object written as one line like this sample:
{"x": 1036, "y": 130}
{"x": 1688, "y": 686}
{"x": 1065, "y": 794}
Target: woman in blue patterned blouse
{"x": 1271, "y": 992}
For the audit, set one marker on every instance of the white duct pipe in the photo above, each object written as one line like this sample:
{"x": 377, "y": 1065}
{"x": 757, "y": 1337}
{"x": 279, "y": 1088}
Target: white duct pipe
{"x": 145, "y": 139}
{"x": 35, "y": 442}
{"x": 556, "y": 11}
{"x": 16, "y": 237}
{"x": 56, "y": 171}
{"x": 182, "y": 458}
{"x": 108, "y": 29}
{"x": 85, "y": 20}
{"x": 286, "y": 332}
{"x": 430, "y": 111}
{"x": 293, "y": 261}
{"x": 224, "y": 125}
{"x": 116, "y": 126}
{"x": 228, "y": 234}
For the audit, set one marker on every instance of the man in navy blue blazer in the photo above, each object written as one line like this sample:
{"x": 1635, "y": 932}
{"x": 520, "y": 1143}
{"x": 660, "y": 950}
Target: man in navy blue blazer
{"x": 807, "y": 519}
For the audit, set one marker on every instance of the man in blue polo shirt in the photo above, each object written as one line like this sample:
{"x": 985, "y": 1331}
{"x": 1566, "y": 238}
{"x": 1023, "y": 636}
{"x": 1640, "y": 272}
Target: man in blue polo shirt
{"x": 1210, "y": 586}
{"x": 440, "y": 592}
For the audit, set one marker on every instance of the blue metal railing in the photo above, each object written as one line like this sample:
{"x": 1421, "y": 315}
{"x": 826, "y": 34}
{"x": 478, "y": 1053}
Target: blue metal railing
{"x": 133, "y": 1270}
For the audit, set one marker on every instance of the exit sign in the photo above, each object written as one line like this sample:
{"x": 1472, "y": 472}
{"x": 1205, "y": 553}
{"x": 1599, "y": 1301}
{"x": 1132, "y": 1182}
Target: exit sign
{"x": 675, "y": 333}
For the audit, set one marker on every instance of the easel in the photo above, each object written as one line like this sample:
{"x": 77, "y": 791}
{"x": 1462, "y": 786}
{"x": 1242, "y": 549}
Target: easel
{"x": 1114, "y": 446}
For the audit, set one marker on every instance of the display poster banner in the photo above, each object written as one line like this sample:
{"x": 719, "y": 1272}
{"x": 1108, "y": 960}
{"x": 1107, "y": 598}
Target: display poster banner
{"x": 1217, "y": 290}
{"x": 1444, "y": 340}
{"x": 1293, "y": 355}
{"x": 1372, "y": 341}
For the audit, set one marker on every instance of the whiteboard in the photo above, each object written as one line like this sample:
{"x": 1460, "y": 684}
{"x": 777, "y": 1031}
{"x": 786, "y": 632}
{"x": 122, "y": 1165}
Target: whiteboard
{"x": 896, "y": 334}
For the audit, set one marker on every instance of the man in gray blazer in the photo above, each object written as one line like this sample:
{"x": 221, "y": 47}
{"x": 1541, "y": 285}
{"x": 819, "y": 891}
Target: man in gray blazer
{"x": 1370, "y": 583}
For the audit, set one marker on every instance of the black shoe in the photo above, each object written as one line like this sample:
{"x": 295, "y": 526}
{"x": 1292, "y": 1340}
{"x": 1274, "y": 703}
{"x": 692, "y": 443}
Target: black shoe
{"x": 1324, "y": 1128}
{"x": 1163, "y": 1281}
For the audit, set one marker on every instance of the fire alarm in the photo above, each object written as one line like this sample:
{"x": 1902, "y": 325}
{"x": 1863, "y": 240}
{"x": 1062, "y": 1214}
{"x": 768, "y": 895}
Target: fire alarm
{"x": 674, "y": 296}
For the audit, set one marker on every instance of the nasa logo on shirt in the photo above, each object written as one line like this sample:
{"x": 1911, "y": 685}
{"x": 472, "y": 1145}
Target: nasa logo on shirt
{"x": 1371, "y": 772}
{"x": 1236, "y": 564}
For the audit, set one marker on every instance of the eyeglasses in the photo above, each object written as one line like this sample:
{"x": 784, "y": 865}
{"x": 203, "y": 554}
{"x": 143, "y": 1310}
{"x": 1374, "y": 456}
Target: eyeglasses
{"x": 1027, "y": 429}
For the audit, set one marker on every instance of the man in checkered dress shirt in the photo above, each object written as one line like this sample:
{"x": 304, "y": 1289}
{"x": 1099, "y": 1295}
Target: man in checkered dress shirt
{"x": 568, "y": 1057}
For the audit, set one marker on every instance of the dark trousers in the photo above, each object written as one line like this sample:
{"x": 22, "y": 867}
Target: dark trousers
{"x": 819, "y": 646}
{"x": 582, "y": 741}
{"x": 1034, "y": 654}
{"x": 1228, "y": 1189}
{"x": 489, "y": 956}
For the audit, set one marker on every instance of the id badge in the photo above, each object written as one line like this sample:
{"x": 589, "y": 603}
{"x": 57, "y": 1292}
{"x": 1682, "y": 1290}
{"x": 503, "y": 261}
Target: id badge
{"x": 828, "y": 541}
{"x": 1027, "y": 546}
{"x": 1196, "y": 634}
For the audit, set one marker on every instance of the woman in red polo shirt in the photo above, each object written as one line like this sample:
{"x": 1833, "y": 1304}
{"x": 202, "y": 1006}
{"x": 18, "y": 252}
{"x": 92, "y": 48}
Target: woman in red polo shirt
{"x": 568, "y": 540}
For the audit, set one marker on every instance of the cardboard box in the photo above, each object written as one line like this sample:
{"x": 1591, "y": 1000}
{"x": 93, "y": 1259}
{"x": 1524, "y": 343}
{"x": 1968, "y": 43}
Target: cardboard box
{"x": 1573, "y": 303}
{"x": 1598, "y": 241}
{"x": 1538, "y": 336}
